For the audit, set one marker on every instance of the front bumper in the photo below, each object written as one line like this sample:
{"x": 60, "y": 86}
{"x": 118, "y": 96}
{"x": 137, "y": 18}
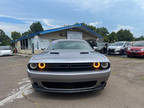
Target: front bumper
{"x": 6, "y": 54}
{"x": 139, "y": 54}
{"x": 114, "y": 51}
{"x": 37, "y": 78}
{"x": 78, "y": 90}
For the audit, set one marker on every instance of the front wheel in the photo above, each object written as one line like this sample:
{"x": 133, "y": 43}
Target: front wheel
{"x": 129, "y": 56}
{"x": 122, "y": 52}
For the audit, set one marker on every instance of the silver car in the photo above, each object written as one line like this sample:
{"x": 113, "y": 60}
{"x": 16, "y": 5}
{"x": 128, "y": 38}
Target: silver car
{"x": 69, "y": 66}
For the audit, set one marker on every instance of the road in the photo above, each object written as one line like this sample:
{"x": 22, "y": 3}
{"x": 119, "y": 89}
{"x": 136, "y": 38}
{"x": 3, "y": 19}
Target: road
{"x": 125, "y": 87}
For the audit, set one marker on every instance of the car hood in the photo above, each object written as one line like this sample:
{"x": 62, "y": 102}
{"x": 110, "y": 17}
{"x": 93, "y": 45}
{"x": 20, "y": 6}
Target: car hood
{"x": 69, "y": 56}
{"x": 136, "y": 48}
{"x": 115, "y": 47}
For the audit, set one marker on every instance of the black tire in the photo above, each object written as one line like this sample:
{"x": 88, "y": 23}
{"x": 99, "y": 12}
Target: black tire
{"x": 129, "y": 56}
{"x": 122, "y": 52}
{"x": 108, "y": 53}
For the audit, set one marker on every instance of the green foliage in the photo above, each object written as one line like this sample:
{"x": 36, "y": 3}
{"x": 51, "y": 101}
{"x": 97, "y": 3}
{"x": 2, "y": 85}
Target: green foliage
{"x": 15, "y": 35}
{"x": 36, "y": 27}
{"x": 121, "y": 35}
{"x": 26, "y": 33}
{"x": 139, "y": 38}
{"x": 4, "y": 39}
{"x": 112, "y": 37}
{"x": 89, "y": 26}
{"x": 102, "y": 31}
{"x": 124, "y": 35}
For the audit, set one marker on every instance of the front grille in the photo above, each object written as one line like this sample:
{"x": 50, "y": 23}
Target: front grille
{"x": 68, "y": 66}
{"x": 135, "y": 50}
{"x": 69, "y": 85}
{"x": 111, "y": 50}
{"x": 80, "y": 65}
{"x": 57, "y": 65}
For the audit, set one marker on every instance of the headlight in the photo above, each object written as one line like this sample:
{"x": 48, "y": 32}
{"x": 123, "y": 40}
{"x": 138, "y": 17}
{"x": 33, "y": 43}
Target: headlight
{"x": 129, "y": 49}
{"x": 105, "y": 65}
{"x": 33, "y": 65}
{"x": 41, "y": 65}
{"x": 117, "y": 49}
{"x": 96, "y": 65}
{"x": 142, "y": 49}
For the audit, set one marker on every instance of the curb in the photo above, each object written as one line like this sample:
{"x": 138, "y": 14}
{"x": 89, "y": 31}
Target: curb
{"x": 23, "y": 55}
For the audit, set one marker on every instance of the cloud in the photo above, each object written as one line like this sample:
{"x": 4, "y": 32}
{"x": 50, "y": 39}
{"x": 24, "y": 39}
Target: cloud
{"x": 96, "y": 23}
{"x": 91, "y": 5}
{"x": 8, "y": 27}
{"x": 47, "y": 22}
{"x": 140, "y": 3}
{"x": 131, "y": 28}
{"x": 44, "y": 21}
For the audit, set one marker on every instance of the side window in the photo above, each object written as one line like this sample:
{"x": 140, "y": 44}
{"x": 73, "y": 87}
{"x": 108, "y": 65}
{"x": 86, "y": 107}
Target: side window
{"x": 125, "y": 44}
{"x": 128, "y": 44}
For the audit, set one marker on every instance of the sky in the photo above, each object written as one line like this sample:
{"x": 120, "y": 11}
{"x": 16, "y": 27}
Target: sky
{"x": 18, "y": 15}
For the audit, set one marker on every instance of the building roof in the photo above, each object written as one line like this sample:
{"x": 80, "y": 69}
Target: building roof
{"x": 81, "y": 26}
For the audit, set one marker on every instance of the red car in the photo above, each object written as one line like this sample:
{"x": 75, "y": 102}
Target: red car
{"x": 136, "y": 50}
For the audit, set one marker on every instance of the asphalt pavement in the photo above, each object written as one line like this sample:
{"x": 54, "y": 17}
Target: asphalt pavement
{"x": 125, "y": 88}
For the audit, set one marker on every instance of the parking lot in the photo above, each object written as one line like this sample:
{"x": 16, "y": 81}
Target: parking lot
{"x": 125, "y": 87}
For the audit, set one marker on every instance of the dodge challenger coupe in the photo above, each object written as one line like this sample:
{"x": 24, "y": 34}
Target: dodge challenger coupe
{"x": 69, "y": 66}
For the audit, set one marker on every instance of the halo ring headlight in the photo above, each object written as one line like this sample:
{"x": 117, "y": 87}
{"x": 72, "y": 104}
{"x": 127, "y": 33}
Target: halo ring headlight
{"x": 41, "y": 65}
{"x": 96, "y": 65}
{"x": 105, "y": 65}
{"x": 33, "y": 65}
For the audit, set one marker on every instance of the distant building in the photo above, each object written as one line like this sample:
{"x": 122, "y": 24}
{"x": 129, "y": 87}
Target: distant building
{"x": 41, "y": 40}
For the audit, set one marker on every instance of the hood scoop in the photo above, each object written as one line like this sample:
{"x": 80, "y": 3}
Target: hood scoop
{"x": 84, "y": 52}
{"x": 54, "y": 52}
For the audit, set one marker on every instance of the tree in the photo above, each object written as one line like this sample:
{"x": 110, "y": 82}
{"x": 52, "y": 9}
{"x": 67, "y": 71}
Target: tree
{"x": 112, "y": 37}
{"x": 36, "y": 27}
{"x": 102, "y": 31}
{"x": 26, "y": 33}
{"x": 124, "y": 35}
{"x": 89, "y": 26}
{"x": 139, "y": 38}
{"x": 4, "y": 39}
{"x": 15, "y": 35}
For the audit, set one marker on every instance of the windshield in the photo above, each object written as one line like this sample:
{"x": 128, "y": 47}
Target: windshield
{"x": 117, "y": 44}
{"x": 100, "y": 44}
{"x": 5, "y": 48}
{"x": 139, "y": 44}
{"x": 70, "y": 45}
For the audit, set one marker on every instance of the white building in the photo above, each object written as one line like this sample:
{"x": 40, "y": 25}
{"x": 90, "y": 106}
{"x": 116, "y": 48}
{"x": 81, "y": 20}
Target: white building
{"x": 41, "y": 40}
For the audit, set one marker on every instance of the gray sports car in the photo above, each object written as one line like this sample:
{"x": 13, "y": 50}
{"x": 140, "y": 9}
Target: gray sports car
{"x": 69, "y": 66}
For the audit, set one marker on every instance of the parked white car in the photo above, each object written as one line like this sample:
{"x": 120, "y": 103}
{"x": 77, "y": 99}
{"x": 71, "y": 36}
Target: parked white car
{"x": 5, "y": 50}
{"x": 118, "y": 47}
